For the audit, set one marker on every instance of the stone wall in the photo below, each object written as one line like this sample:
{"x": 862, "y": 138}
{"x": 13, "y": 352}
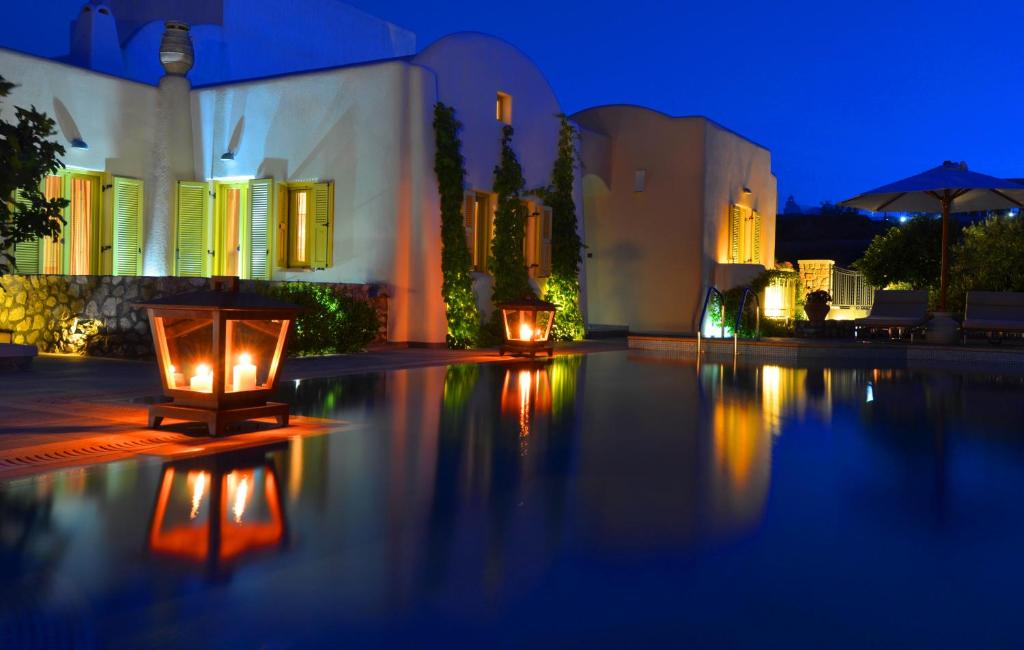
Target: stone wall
{"x": 816, "y": 275}
{"x": 97, "y": 314}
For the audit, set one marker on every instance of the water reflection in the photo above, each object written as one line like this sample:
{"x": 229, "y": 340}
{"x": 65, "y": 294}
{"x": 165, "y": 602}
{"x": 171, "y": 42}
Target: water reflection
{"x": 215, "y": 511}
{"x": 463, "y": 499}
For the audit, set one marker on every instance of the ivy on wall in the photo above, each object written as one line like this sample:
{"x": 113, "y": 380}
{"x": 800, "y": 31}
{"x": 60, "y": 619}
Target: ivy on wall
{"x": 508, "y": 262}
{"x": 456, "y": 262}
{"x": 563, "y": 286}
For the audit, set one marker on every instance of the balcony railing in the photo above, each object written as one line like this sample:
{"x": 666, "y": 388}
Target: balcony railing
{"x": 850, "y": 290}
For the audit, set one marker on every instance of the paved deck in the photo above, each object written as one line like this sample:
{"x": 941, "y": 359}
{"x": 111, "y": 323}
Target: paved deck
{"x": 69, "y": 411}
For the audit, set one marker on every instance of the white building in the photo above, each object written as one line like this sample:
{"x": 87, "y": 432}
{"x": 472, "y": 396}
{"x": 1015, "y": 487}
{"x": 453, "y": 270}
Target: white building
{"x": 311, "y": 158}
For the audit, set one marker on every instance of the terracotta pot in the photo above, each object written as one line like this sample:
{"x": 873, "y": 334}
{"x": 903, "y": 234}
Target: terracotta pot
{"x": 816, "y": 311}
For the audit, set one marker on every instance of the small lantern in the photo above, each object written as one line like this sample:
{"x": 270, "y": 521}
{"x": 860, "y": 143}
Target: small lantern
{"x": 527, "y": 327}
{"x": 219, "y": 353}
{"x": 213, "y": 511}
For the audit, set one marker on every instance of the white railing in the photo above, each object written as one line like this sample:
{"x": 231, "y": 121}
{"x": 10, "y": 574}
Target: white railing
{"x": 850, "y": 290}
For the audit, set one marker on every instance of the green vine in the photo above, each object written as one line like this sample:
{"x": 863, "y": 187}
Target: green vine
{"x": 748, "y": 324}
{"x": 563, "y": 286}
{"x": 456, "y": 262}
{"x": 508, "y": 263}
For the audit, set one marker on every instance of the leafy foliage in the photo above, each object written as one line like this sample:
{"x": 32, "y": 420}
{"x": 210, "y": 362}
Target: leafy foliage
{"x": 563, "y": 286}
{"x": 909, "y": 254}
{"x": 330, "y": 323}
{"x": 748, "y": 324}
{"x": 27, "y": 156}
{"x": 989, "y": 258}
{"x": 508, "y": 263}
{"x": 456, "y": 261}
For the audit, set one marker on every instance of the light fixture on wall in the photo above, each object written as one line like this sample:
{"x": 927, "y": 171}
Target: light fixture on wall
{"x": 228, "y": 155}
{"x": 747, "y": 191}
{"x": 79, "y": 143}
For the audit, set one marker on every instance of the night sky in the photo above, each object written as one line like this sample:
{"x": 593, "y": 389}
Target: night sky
{"x": 847, "y": 95}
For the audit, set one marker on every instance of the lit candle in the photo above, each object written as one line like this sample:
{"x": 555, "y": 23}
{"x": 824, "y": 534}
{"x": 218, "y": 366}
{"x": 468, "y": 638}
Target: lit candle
{"x": 525, "y": 332}
{"x": 244, "y": 376}
{"x": 202, "y": 382}
{"x": 177, "y": 378}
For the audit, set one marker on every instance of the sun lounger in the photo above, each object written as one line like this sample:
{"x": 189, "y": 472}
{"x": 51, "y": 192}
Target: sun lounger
{"x": 20, "y": 356}
{"x": 993, "y": 312}
{"x": 895, "y": 310}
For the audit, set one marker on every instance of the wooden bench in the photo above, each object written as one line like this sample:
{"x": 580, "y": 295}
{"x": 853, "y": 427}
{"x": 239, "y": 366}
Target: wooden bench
{"x": 19, "y": 356}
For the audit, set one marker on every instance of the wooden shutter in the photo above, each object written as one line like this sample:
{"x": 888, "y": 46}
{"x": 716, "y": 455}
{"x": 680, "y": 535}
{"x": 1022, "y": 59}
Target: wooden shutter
{"x": 757, "y": 238}
{"x": 469, "y": 223}
{"x": 127, "y": 241}
{"x": 28, "y": 255}
{"x": 735, "y": 232}
{"x": 546, "y": 225}
{"x": 261, "y": 196}
{"x": 323, "y": 225}
{"x": 190, "y": 246}
{"x": 281, "y": 240}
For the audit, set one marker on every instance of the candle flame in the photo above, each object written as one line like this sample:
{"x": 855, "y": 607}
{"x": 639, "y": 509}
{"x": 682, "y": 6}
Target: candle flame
{"x": 172, "y": 369}
{"x": 525, "y": 332}
{"x": 244, "y": 358}
{"x": 203, "y": 369}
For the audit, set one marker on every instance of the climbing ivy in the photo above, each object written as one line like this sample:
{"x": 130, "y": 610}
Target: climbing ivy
{"x": 508, "y": 263}
{"x": 456, "y": 262}
{"x": 563, "y": 286}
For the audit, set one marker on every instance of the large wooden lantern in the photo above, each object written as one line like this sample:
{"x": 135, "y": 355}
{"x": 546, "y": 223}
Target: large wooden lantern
{"x": 219, "y": 352}
{"x": 527, "y": 327}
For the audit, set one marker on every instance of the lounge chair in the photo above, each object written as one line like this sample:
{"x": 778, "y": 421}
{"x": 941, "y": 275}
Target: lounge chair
{"x": 993, "y": 312}
{"x": 20, "y": 356}
{"x": 896, "y": 310}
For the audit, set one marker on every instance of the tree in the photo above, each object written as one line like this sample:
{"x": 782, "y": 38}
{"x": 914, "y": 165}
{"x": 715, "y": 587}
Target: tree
{"x": 27, "y": 156}
{"x": 907, "y": 254}
{"x": 563, "y": 285}
{"x": 456, "y": 261}
{"x": 508, "y": 262}
{"x": 792, "y": 207}
{"x": 989, "y": 258}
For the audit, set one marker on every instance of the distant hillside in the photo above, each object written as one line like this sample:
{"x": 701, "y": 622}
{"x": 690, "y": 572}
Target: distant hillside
{"x": 842, "y": 237}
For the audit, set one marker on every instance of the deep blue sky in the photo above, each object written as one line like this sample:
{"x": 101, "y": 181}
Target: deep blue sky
{"x": 847, "y": 95}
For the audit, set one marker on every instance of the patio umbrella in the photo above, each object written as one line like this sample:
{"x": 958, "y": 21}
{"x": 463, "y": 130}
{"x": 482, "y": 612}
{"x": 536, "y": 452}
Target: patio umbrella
{"x": 948, "y": 188}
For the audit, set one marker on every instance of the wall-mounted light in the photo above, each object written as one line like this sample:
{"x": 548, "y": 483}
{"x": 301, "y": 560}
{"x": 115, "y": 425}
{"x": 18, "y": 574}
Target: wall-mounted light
{"x": 79, "y": 143}
{"x": 747, "y": 190}
{"x": 230, "y": 155}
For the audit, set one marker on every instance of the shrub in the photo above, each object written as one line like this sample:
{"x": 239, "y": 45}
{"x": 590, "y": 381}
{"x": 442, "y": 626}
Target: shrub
{"x": 330, "y": 323}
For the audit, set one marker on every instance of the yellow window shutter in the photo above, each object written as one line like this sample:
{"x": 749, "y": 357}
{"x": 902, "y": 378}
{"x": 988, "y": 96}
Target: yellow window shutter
{"x": 27, "y": 254}
{"x": 127, "y": 231}
{"x": 469, "y": 223}
{"x": 757, "y": 238}
{"x": 323, "y": 225}
{"x": 735, "y": 227}
{"x": 547, "y": 218}
{"x": 261, "y": 214}
{"x": 191, "y": 241}
{"x": 281, "y": 240}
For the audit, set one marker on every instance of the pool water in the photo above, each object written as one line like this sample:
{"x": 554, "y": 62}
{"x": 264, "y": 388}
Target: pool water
{"x": 614, "y": 500}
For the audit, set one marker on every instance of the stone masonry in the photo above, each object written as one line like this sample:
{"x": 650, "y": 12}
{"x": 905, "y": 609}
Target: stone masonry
{"x": 98, "y": 315}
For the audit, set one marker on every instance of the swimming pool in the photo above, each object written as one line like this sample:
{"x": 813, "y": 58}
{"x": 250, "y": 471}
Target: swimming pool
{"x": 618, "y": 499}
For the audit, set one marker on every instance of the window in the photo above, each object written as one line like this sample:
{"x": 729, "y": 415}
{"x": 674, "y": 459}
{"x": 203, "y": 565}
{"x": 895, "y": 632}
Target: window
{"x": 478, "y": 215}
{"x": 503, "y": 108}
{"x": 235, "y": 239}
{"x": 744, "y": 235}
{"x": 77, "y": 249}
{"x": 306, "y": 229}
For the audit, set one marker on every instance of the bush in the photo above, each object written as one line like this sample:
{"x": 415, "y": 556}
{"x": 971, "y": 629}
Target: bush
{"x": 330, "y": 323}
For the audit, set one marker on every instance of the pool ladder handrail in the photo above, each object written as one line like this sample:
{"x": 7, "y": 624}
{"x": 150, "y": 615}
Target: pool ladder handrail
{"x": 704, "y": 312}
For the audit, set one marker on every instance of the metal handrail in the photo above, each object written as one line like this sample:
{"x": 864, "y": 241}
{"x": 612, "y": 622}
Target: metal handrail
{"x": 739, "y": 314}
{"x": 704, "y": 310}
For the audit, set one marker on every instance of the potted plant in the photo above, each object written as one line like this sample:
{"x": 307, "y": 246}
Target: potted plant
{"x": 816, "y": 305}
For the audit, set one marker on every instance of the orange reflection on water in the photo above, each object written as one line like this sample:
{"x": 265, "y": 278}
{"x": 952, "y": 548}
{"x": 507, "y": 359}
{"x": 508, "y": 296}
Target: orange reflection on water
{"x": 525, "y": 393}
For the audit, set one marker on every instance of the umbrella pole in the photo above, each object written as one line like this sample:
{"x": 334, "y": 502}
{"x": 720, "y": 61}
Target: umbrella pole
{"x": 944, "y": 273}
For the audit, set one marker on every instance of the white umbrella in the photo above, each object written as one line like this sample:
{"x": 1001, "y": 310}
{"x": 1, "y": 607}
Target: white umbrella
{"x": 950, "y": 188}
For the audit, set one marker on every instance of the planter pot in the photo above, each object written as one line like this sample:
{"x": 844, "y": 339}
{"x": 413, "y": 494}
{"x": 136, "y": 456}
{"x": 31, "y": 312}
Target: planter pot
{"x": 942, "y": 329}
{"x": 816, "y": 311}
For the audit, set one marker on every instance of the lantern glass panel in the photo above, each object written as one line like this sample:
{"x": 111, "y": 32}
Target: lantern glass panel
{"x": 252, "y": 350}
{"x": 527, "y": 325}
{"x": 186, "y": 352}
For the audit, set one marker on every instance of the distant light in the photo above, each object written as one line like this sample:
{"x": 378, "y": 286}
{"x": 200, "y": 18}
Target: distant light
{"x": 903, "y": 219}
{"x": 869, "y": 395}
{"x": 297, "y": 382}
{"x": 79, "y": 143}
